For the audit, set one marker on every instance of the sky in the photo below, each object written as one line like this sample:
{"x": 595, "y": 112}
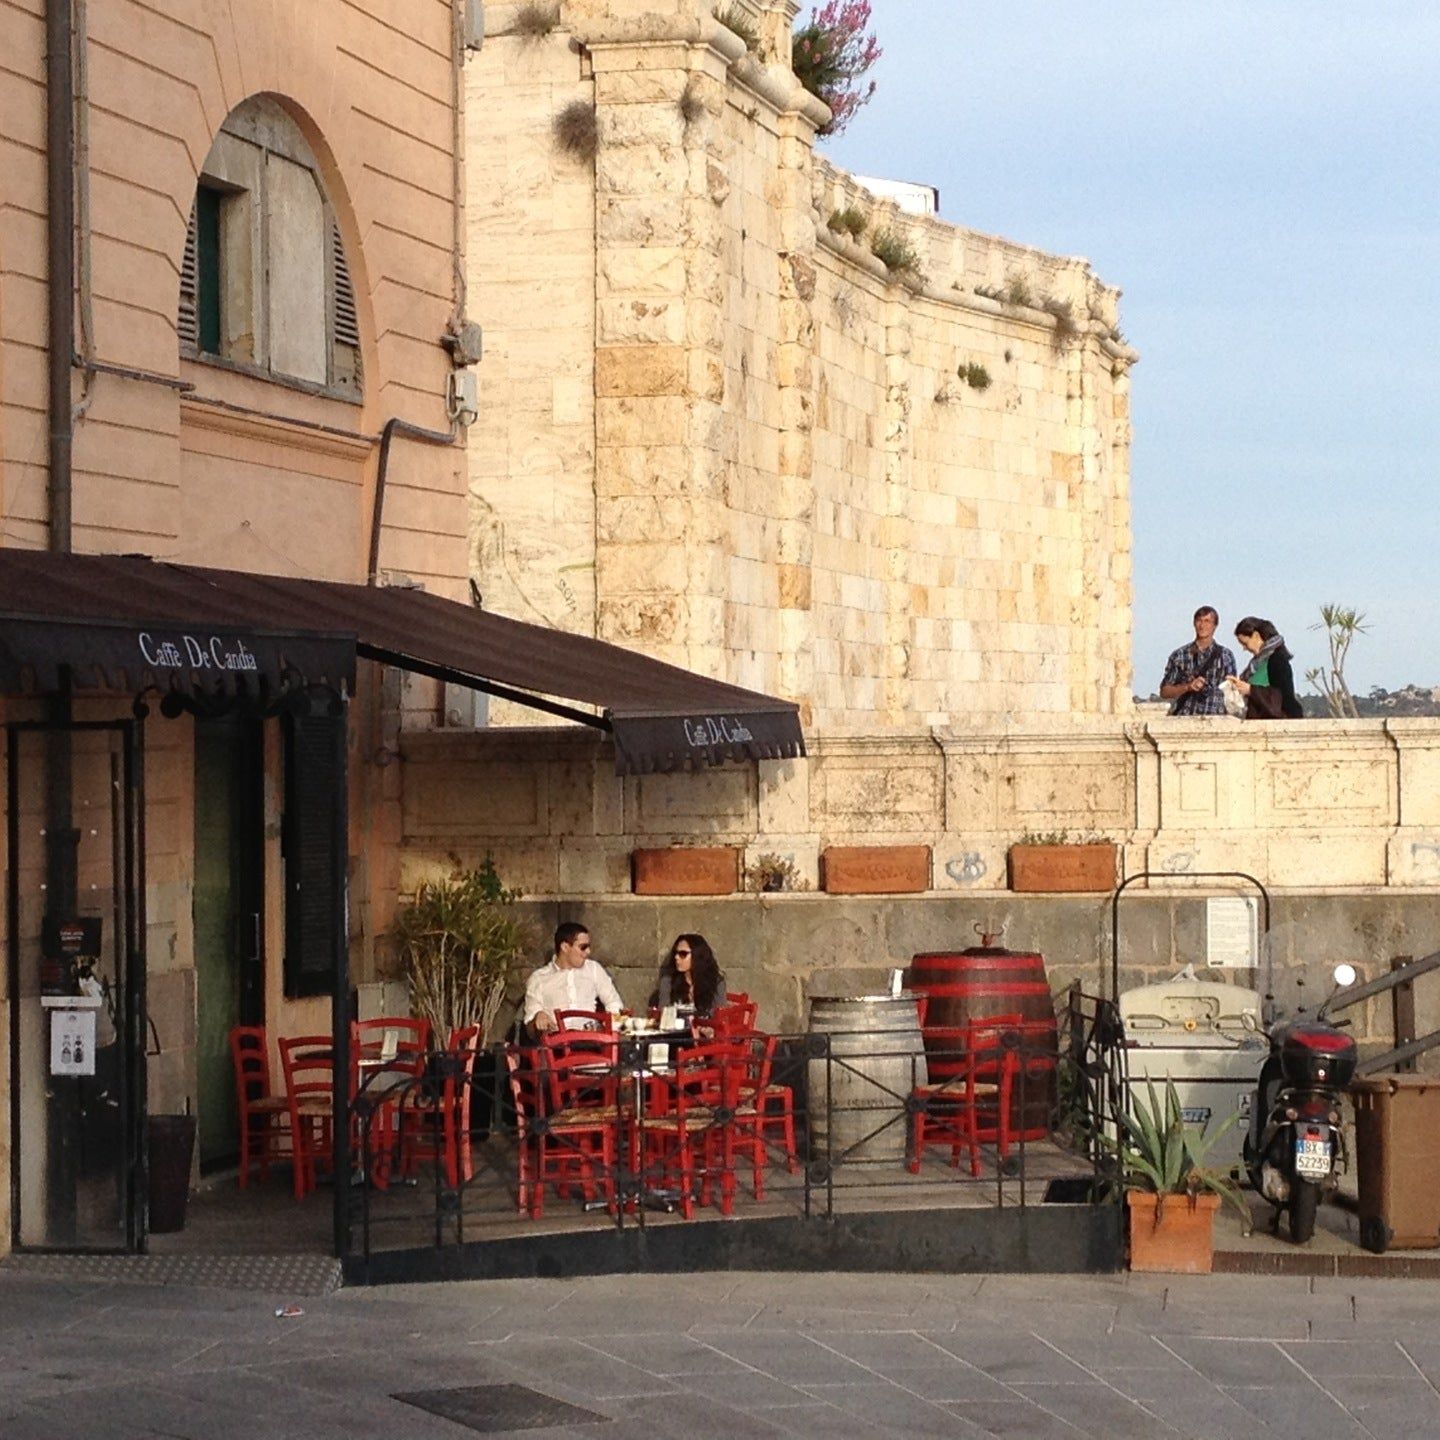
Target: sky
{"x": 1262, "y": 180}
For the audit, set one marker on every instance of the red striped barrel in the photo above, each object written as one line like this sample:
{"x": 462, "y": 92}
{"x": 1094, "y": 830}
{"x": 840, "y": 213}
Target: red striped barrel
{"x": 979, "y": 984}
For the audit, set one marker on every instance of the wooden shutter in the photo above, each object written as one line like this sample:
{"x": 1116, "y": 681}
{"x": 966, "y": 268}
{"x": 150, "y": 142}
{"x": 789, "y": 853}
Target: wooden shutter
{"x": 347, "y": 324}
{"x": 345, "y": 342}
{"x": 314, "y": 848}
{"x": 188, "y": 322}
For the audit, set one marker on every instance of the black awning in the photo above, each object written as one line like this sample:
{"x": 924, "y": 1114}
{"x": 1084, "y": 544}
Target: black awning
{"x": 124, "y": 622}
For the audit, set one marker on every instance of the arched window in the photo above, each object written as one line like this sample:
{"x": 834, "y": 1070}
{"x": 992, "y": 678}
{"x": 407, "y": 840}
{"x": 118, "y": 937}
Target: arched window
{"x": 264, "y": 285}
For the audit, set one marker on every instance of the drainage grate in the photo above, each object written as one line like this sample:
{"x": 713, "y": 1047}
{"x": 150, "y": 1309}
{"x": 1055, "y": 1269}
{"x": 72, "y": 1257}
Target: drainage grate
{"x": 272, "y": 1274}
{"x": 494, "y": 1409}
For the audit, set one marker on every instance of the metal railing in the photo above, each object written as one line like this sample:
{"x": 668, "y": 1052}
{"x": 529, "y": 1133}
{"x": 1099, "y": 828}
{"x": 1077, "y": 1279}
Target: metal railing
{"x": 455, "y": 1149}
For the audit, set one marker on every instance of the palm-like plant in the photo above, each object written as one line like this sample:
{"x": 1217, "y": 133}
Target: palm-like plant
{"x": 460, "y": 945}
{"x": 1159, "y": 1152}
{"x": 1341, "y": 624}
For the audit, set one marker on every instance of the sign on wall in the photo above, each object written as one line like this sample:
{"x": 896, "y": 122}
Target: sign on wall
{"x": 72, "y": 1042}
{"x": 1230, "y": 932}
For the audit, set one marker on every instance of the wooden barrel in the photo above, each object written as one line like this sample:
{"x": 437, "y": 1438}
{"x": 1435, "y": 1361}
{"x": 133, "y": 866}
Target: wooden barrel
{"x": 978, "y": 984}
{"x": 857, "y": 1097}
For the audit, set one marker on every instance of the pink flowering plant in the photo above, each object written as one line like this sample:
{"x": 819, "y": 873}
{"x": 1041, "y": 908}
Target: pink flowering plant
{"x": 832, "y": 52}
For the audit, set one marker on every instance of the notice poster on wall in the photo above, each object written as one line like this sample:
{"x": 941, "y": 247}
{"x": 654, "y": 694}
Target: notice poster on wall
{"x": 1230, "y": 932}
{"x": 72, "y": 1042}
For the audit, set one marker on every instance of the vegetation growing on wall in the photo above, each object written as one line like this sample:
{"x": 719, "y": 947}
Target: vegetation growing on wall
{"x": 535, "y": 20}
{"x": 576, "y": 131}
{"x": 896, "y": 253}
{"x": 831, "y": 53}
{"x": 850, "y": 220}
{"x": 738, "y": 22}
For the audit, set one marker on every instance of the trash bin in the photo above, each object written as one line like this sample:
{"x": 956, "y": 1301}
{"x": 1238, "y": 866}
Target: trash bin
{"x": 171, "y": 1142}
{"x": 1397, "y": 1161}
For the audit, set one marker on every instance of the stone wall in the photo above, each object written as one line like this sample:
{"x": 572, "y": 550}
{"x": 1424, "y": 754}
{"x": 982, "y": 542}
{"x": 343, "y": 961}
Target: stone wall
{"x": 792, "y": 483}
{"x": 785, "y": 949}
{"x": 1304, "y": 806}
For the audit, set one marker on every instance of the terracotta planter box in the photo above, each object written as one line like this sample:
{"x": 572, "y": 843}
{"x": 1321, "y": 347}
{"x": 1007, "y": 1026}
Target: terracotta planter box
{"x": 713, "y": 870}
{"x": 1182, "y": 1243}
{"x": 1063, "y": 869}
{"x": 875, "y": 869}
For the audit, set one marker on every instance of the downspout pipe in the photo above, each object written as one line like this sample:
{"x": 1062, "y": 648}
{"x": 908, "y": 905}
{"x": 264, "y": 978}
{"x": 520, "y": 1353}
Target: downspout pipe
{"x": 60, "y": 235}
{"x": 394, "y": 426}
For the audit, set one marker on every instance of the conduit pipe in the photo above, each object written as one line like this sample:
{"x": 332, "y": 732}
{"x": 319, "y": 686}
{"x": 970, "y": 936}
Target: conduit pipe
{"x": 60, "y": 238}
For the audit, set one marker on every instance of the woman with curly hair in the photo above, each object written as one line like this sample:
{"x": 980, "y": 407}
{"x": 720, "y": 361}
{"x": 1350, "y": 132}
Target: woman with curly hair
{"x": 690, "y": 975}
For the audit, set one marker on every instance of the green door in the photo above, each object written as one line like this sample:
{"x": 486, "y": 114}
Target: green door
{"x": 228, "y": 961}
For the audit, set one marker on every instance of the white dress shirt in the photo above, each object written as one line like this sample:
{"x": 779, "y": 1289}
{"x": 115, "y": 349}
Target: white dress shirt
{"x": 555, "y": 987}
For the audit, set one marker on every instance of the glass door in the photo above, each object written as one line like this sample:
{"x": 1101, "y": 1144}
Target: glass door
{"x": 76, "y": 960}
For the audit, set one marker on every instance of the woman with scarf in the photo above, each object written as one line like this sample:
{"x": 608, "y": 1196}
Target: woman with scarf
{"x": 1267, "y": 682}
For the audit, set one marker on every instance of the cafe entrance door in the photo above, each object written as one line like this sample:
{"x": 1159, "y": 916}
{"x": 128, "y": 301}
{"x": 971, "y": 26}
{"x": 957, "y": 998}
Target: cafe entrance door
{"x": 76, "y": 926}
{"x": 229, "y": 958}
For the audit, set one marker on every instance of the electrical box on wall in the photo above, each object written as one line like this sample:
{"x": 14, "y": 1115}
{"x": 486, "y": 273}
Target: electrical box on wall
{"x": 462, "y": 397}
{"x": 464, "y": 708}
{"x": 474, "y": 23}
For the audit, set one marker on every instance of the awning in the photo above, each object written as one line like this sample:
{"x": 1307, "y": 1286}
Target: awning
{"x": 126, "y": 622}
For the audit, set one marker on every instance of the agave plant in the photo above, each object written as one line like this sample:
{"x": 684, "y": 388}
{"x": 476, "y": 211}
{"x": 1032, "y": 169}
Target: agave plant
{"x": 1159, "y": 1152}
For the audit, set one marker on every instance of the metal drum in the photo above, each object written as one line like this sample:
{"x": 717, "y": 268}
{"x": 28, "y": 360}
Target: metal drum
{"x": 978, "y": 984}
{"x": 857, "y": 1098}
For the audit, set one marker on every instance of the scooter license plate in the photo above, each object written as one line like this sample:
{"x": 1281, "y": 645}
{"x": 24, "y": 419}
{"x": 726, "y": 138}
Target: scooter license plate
{"x": 1312, "y": 1159}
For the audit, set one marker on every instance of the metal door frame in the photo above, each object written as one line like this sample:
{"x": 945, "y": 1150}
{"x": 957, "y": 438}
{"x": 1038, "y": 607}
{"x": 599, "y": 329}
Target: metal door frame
{"x": 128, "y": 822}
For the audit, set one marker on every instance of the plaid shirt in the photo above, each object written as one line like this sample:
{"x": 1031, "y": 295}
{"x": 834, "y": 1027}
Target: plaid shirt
{"x": 1185, "y": 664}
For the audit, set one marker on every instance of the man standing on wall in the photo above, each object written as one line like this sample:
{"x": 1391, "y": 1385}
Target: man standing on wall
{"x": 1195, "y": 674}
{"x": 571, "y": 981}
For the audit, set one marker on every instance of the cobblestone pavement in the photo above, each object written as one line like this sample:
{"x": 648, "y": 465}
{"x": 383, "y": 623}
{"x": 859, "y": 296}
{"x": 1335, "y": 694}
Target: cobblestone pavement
{"x": 726, "y": 1355}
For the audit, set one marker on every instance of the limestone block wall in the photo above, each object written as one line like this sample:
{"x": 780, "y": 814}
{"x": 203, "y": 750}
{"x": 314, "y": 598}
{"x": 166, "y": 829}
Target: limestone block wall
{"x": 792, "y": 482}
{"x": 1304, "y": 806}
{"x": 785, "y": 949}
{"x": 530, "y": 230}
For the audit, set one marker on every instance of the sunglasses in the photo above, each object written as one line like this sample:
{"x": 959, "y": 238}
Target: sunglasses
{"x": 682, "y": 954}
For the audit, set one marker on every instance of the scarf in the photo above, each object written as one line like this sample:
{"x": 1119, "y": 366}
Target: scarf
{"x": 1262, "y": 656}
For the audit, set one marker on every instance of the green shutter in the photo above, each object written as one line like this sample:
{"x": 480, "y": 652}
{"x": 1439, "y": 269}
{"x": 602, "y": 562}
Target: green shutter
{"x": 314, "y": 848}
{"x": 207, "y": 269}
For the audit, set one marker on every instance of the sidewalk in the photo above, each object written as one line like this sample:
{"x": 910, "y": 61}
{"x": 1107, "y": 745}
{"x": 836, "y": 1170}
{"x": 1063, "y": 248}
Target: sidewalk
{"x": 727, "y": 1355}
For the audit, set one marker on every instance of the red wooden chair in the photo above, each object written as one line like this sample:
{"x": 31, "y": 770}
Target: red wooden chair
{"x": 308, "y": 1064}
{"x": 757, "y": 1052}
{"x": 522, "y": 1075}
{"x": 578, "y": 1129}
{"x": 685, "y": 1140}
{"x": 264, "y": 1115}
{"x": 435, "y": 1118}
{"x": 735, "y": 1017}
{"x": 396, "y": 1043}
{"x": 972, "y": 1107}
{"x": 584, "y": 1020}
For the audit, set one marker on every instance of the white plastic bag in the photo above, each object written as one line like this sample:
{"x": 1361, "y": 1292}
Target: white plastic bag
{"x": 1234, "y": 702}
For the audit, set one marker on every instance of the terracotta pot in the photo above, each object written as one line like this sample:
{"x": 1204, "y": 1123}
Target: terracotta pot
{"x": 1181, "y": 1242}
{"x": 1062, "y": 869}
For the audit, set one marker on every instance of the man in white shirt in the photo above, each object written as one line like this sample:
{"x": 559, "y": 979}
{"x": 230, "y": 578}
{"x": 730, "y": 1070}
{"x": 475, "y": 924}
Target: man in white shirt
{"x": 571, "y": 981}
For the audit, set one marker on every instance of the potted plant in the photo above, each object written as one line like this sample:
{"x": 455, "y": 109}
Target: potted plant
{"x": 1171, "y": 1196}
{"x": 460, "y": 945}
{"x": 774, "y": 872}
{"x": 1059, "y": 862}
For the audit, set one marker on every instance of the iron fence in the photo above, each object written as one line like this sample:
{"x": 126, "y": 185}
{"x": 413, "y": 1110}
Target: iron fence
{"x": 454, "y": 1148}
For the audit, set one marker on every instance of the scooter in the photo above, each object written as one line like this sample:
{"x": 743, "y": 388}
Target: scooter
{"x": 1295, "y": 1151}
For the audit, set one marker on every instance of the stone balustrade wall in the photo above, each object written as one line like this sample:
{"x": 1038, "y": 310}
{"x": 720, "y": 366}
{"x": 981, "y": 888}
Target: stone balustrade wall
{"x": 1302, "y": 805}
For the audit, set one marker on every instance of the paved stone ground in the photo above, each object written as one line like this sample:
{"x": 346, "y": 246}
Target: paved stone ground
{"x": 733, "y": 1356}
